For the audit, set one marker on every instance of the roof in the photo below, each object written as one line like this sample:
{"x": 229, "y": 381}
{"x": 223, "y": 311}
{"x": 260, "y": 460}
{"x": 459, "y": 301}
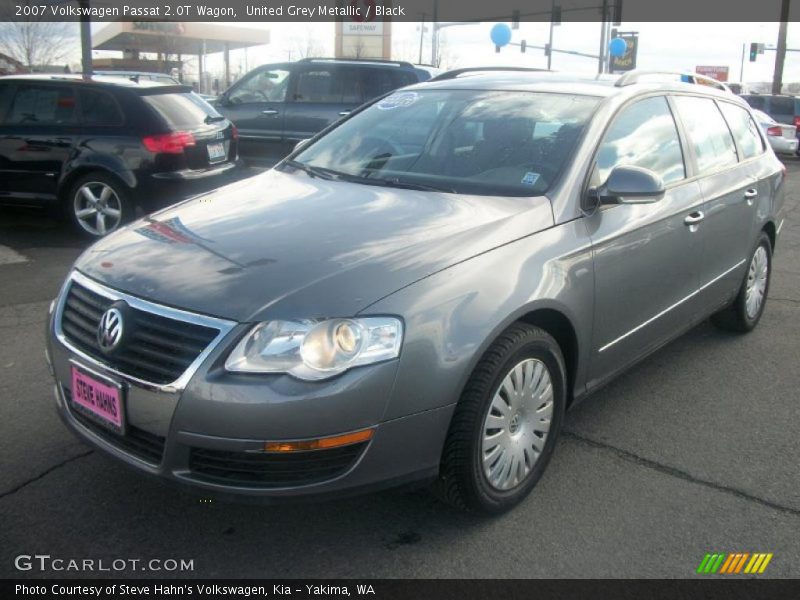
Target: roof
{"x": 95, "y": 80}
{"x": 560, "y": 82}
{"x": 177, "y": 37}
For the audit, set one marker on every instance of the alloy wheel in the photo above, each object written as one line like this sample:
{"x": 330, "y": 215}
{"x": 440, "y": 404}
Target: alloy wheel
{"x": 97, "y": 208}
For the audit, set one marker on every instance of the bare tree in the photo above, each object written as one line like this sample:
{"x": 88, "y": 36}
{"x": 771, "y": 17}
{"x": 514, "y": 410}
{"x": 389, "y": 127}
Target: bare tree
{"x": 309, "y": 45}
{"x": 37, "y": 42}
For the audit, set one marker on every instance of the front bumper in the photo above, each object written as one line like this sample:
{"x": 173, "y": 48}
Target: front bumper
{"x": 209, "y": 431}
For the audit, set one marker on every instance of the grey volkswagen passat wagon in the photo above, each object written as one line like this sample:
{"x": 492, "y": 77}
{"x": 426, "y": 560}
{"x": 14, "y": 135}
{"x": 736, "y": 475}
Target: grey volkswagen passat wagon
{"x": 422, "y": 290}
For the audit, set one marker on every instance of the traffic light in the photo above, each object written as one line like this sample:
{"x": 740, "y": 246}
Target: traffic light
{"x": 616, "y": 13}
{"x": 523, "y": 45}
{"x": 547, "y": 49}
{"x": 556, "y": 16}
{"x": 753, "y": 51}
{"x": 515, "y": 20}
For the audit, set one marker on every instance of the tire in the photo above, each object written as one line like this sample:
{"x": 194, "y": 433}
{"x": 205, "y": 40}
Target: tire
{"x": 109, "y": 202}
{"x": 738, "y": 316}
{"x": 465, "y": 480}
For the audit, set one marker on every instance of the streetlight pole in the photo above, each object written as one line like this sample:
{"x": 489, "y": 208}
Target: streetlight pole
{"x": 86, "y": 41}
{"x": 435, "y": 34}
{"x": 780, "y": 57}
{"x": 602, "y": 54}
{"x": 550, "y": 42}
{"x": 741, "y": 66}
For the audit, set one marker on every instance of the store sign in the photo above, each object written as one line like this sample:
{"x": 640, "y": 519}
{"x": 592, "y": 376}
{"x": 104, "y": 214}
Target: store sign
{"x": 718, "y": 73}
{"x": 362, "y": 28}
{"x": 626, "y": 62}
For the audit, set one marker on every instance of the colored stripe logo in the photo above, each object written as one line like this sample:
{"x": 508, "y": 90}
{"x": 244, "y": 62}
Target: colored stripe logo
{"x": 734, "y": 563}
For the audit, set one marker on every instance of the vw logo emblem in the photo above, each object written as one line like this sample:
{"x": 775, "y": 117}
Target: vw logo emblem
{"x": 109, "y": 330}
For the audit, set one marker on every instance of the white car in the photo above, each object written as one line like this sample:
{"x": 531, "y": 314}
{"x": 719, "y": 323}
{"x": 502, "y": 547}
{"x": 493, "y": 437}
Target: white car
{"x": 782, "y": 136}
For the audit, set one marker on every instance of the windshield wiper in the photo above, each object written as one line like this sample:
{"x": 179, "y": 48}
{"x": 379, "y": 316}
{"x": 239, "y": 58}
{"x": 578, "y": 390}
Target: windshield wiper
{"x": 320, "y": 172}
{"x": 407, "y": 185}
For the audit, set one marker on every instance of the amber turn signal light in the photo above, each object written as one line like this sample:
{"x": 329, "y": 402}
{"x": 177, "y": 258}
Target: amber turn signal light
{"x": 322, "y": 443}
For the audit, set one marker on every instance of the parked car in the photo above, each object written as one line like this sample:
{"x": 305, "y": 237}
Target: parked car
{"x": 784, "y": 109}
{"x": 782, "y": 137}
{"x": 100, "y": 149}
{"x": 277, "y": 105}
{"x": 420, "y": 293}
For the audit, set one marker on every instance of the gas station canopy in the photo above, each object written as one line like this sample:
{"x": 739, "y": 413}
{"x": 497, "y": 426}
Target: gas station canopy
{"x": 177, "y": 38}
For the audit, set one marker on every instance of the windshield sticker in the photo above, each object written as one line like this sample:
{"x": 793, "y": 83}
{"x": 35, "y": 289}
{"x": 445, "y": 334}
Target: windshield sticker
{"x": 530, "y": 178}
{"x": 401, "y": 100}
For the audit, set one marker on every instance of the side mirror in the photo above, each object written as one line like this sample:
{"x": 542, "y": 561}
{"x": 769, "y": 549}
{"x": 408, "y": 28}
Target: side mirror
{"x": 629, "y": 185}
{"x": 300, "y": 144}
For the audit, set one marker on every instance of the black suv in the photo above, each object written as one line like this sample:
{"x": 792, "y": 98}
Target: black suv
{"x": 98, "y": 148}
{"x": 782, "y": 108}
{"x": 277, "y": 105}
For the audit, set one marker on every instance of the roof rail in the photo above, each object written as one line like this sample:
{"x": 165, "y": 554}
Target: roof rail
{"x": 632, "y": 77}
{"x": 456, "y": 72}
{"x": 399, "y": 63}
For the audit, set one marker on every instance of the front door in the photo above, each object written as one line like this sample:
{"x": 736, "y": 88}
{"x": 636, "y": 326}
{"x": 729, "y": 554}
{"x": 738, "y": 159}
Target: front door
{"x": 37, "y": 137}
{"x": 646, "y": 256}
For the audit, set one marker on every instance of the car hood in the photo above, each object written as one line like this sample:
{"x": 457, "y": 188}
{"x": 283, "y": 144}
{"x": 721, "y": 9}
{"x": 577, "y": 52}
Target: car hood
{"x": 283, "y": 245}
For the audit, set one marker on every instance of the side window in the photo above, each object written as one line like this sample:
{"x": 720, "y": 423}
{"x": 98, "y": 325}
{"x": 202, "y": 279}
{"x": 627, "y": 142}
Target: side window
{"x": 708, "y": 133}
{"x": 756, "y": 102}
{"x": 42, "y": 105}
{"x": 99, "y": 108}
{"x": 5, "y": 99}
{"x": 643, "y": 135}
{"x": 264, "y": 86}
{"x": 317, "y": 85}
{"x": 744, "y": 130}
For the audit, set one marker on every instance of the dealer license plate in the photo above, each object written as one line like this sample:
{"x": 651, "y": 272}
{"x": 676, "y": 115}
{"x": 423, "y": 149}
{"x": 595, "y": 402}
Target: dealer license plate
{"x": 98, "y": 399}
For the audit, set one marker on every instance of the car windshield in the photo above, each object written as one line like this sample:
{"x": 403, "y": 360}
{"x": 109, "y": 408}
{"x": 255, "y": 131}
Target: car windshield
{"x": 462, "y": 141}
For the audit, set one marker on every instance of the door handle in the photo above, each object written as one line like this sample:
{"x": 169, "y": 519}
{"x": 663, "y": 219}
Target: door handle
{"x": 694, "y": 218}
{"x": 750, "y": 195}
{"x": 344, "y": 113}
{"x": 269, "y": 111}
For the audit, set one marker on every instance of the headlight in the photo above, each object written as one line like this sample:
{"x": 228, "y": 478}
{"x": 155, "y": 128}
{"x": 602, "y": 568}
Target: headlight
{"x": 314, "y": 350}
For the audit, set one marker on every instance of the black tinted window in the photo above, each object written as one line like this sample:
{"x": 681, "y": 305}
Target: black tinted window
{"x": 318, "y": 85}
{"x": 756, "y": 102}
{"x": 744, "y": 130}
{"x": 268, "y": 85}
{"x": 708, "y": 133}
{"x": 181, "y": 111}
{"x": 99, "y": 108}
{"x": 5, "y": 99}
{"x": 377, "y": 82}
{"x": 42, "y": 105}
{"x": 643, "y": 135}
{"x": 781, "y": 106}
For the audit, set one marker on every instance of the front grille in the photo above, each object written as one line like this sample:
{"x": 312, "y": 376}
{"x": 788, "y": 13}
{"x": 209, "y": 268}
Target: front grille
{"x": 138, "y": 442}
{"x": 266, "y": 470}
{"x": 158, "y": 349}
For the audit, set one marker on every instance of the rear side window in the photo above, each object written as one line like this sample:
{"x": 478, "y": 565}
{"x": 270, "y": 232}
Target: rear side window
{"x": 377, "y": 82}
{"x": 643, "y": 135}
{"x": 42, "y": 105}
{"x": 319, "y": 85}
{"x": 708, "y": 133}
{"x": 182, "y": 111}
{"x": 781, "y": 106}
{"x": 99, "y": 108}
{"x": 744, "y": 130}
{"x": 5, "y": 99}
{"x": 756, "y": 102}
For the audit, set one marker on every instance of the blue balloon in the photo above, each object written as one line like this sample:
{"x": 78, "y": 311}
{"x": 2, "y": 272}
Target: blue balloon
{"x": 501, "y": 34}
{"x": 617, "y": 47}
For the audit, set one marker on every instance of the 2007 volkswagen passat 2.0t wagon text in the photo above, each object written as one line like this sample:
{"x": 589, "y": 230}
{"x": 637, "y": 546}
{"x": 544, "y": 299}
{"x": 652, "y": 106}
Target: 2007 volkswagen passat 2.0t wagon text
{"x": 419, "y": 292}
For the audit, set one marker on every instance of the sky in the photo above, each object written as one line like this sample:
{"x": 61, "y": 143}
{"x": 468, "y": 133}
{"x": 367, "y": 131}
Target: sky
{"x": 671, "y": 46}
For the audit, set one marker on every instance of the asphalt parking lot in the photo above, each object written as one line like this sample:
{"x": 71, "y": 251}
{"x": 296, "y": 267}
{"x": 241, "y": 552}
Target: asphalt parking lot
{"x": 695, "y": 450}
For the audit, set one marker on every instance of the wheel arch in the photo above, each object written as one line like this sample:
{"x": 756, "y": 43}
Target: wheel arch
{"x": 772, "y": 232}
{"x": 125, "y": 178}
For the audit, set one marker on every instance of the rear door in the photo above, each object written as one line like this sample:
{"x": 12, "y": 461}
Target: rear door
{"x": 729, "y": 189}
{"x": 646, "y": 256}
{"x": 322, "y": 93}
{"x": 38, "y": 136}
{"x": 256, "y": 104}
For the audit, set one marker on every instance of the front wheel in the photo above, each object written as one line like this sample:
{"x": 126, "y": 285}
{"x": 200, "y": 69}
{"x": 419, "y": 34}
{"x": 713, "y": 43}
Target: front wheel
{"x": 745, "y": 312}
{"x": 506, "y": 423}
